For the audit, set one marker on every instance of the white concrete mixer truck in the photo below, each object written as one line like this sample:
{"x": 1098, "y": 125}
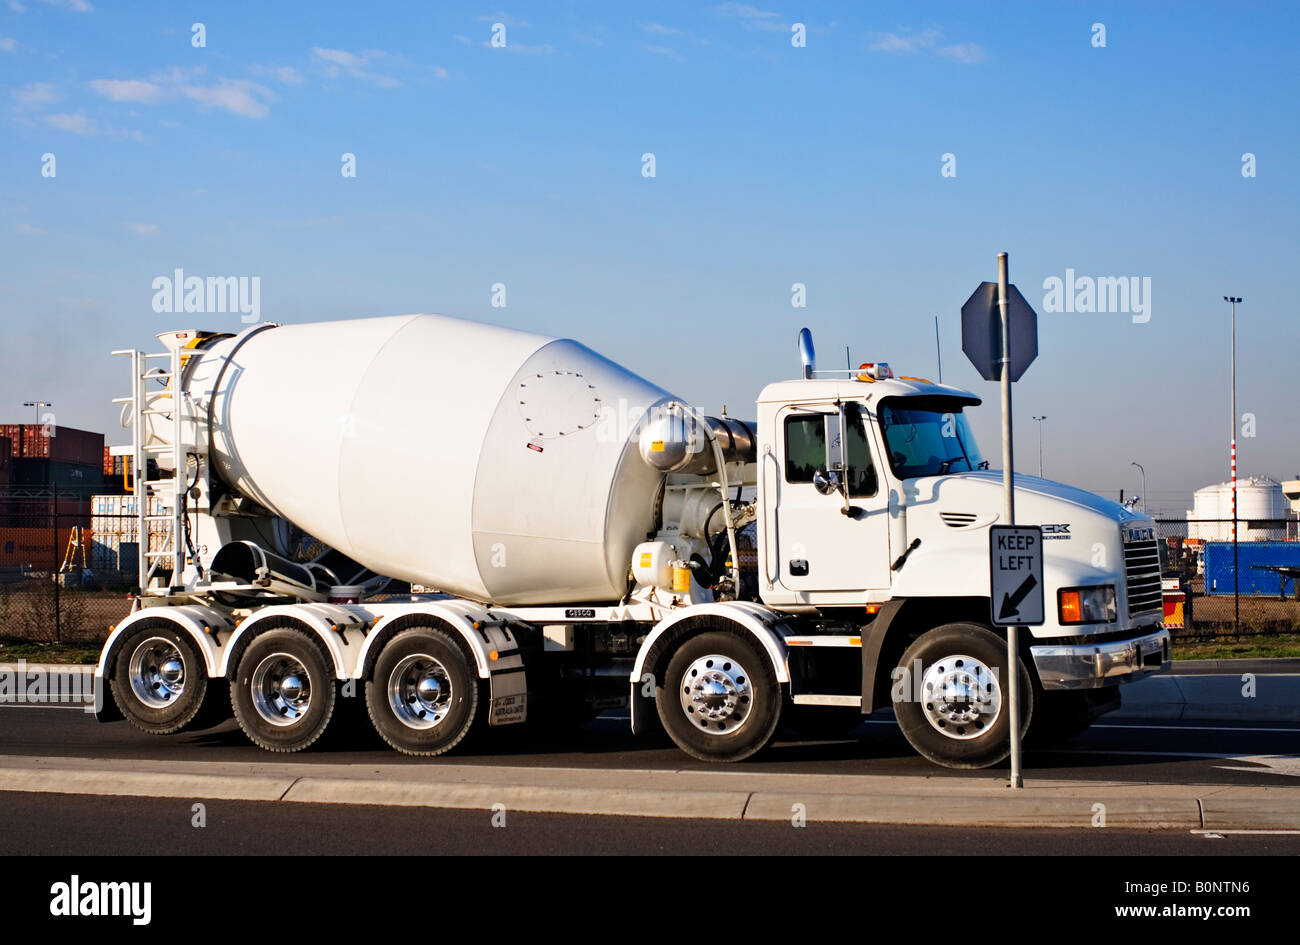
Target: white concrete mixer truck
{"x": 581, "y": 540}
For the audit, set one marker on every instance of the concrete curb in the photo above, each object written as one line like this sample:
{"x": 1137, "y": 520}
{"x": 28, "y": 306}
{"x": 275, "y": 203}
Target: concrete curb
{"x": 727, "y": 795}
{"x": 1213, "y": 698}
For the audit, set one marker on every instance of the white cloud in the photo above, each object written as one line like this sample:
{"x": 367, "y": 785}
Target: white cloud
{"x": 35, "y": 95}
{"x": 462, "y": 38}
{"x": 26, "y": 229}
{"x": 78, "y": 124}
{"x": 908, "y": 42}
{"x": 904, "y": 42}
{"x": 79, "y": 6}
{"x": 16, "y": 6}
{"x": 335, "y": 62}
{"x": 969, "y": 53}
{"x": 587, "y": 39}
{"x": 8, "y": 44}
{"x": 287, "y": 75}
{"x": 664, "y": 51}
{"x": 237, "y": 96}
{"x": 141, "y": 229}
{"x": 658, "y": 29}
{"x": 129, "y": 90}
{"x": 439, "y": 72}
{"x": 751, "y": 17}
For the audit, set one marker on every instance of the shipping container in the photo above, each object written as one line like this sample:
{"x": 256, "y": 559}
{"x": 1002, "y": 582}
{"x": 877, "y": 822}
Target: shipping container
{"x": 114, "y": 531}
{"x": 6, "y": 460}
{"x": 61, "y": 444}
{"x": 1257, "y": 564}
{"x": 43, "y": 472}
{"x": 40, "y": 549}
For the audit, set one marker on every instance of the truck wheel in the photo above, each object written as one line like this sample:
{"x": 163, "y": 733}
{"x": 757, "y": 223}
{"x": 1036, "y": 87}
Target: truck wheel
{"x": 720, "y": 700}
{"x": 957, "y": 714}
{"x": 423, "y": 697}
{"x": 283, "y": 693}
{"x": 159, "y": 680}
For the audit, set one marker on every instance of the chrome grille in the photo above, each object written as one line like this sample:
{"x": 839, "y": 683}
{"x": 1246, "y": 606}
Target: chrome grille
{"x": 1142, "y": 571}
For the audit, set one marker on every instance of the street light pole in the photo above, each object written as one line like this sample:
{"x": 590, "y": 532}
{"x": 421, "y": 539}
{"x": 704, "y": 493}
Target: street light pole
{"x": 38, "y": 404}
{"x": 1144, "y": 484}
{"x": 1040, "y": 444}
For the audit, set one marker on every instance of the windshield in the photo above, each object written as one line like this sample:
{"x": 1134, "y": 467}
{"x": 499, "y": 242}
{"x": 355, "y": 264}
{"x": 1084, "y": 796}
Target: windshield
{"x": 928, "y": 436}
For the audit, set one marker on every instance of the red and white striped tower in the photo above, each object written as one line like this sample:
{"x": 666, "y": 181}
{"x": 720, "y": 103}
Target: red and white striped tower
{"x": 1233, "y": 300}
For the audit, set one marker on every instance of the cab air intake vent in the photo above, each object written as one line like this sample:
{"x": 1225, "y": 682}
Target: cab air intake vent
{"x": 957, "y": 519}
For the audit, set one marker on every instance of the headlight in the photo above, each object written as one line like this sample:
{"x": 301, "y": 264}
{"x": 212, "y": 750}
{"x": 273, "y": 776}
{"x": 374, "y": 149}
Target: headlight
{"x": 1087, "y": 604}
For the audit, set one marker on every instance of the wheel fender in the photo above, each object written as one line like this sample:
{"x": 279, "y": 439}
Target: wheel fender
{"x": 341, "y": 631}
{"x": 203, "y": 625}
{"x": 482, "y": 631}
{"x": 761, "y": 624}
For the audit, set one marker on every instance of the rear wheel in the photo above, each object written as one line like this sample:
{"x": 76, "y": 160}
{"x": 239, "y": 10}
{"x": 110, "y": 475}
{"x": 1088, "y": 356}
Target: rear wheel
{"x": 283, "y": 693}
{"x": 423, "y": 697}
{"x": 958, "y": 715}
{"x": 720, "y": 700}
{"x": 159, "y": 680}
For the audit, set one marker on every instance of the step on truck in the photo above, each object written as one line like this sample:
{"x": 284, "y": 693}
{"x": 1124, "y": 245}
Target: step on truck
{"x": 467, "y": 527}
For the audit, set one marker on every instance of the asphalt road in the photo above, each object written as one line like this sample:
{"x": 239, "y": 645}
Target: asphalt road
{"x": 75, "y": 825}
{"x": 1163, "y": 752}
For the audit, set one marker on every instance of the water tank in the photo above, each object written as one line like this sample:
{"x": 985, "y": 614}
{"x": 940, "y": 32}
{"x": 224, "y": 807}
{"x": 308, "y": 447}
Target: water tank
{"x": 1261, "y": 511}
{"x": 490, "y": 463}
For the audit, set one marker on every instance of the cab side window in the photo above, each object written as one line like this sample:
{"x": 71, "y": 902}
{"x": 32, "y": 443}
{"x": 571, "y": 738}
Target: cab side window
{"x": 805, "y": 446}
{"x": 805, "y": 451}
{"x": 862, "y": 479}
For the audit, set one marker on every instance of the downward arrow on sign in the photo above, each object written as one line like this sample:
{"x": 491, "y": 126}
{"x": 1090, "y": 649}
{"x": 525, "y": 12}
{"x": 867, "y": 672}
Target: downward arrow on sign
{"x": 1011, "y": 602}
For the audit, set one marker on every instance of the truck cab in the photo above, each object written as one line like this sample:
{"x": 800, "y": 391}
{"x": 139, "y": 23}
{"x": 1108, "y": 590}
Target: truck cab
{"x": 874, "y": 504}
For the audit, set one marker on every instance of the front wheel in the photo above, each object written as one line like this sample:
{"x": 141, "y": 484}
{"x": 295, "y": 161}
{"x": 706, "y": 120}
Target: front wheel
{"x": 956, "y": 713}
{"x": 720, "y": 700}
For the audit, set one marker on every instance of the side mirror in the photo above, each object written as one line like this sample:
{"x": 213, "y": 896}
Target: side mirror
{"x": 827, "y": 483}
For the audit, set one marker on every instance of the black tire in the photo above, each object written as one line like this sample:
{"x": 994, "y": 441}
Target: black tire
{"x": 144, "y": 684}
{"x": 817, "y": 722}
{"x": 284, "y": 674}
{"x": 957, "y": 733}
{"x": 423, "y": 697}
{"x": 739, "y": 717}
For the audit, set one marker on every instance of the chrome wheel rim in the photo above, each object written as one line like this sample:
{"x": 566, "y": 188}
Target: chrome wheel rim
{"x": 961, "y": 697}
{"x": 281, "y": 689}
{"x": 716, "y": 694}
{"x": 420, "y": 692}
{"x": 157, "y": 672}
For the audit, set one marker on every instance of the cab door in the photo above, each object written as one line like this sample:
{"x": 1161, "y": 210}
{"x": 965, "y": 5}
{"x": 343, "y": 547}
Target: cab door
{"x": 823, "y": 554}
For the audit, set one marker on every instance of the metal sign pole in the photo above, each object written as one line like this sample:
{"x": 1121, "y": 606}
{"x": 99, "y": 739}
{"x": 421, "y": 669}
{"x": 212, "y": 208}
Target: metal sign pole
{"x": 1009, "y": 512}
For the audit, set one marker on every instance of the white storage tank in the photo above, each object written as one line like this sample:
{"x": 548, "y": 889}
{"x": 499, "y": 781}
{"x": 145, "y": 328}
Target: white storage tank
{"x": 1260, "y": 500}
{"x": 490, "y": 463}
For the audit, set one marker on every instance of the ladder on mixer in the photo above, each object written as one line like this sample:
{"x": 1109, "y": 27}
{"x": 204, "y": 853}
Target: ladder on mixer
{"x": 179, "y": 411}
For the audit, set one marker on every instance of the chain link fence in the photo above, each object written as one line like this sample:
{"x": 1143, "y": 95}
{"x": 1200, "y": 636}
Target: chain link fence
{"x": 1243, "y": 588}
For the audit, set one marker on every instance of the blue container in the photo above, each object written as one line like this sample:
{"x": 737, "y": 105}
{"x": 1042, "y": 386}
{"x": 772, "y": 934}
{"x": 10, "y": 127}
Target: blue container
{"x": 1218, "y": 567}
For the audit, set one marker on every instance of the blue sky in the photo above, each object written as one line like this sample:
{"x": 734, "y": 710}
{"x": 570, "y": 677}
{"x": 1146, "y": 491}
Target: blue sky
{"x": 774, "y": 164}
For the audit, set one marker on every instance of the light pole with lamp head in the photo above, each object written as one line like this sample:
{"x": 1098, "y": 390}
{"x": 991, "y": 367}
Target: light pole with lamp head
{"x": 1144, "y": 484}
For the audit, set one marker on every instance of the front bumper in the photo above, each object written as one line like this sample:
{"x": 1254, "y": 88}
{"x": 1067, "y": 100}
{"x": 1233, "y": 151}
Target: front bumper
{"x": 1094, "y": 665}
